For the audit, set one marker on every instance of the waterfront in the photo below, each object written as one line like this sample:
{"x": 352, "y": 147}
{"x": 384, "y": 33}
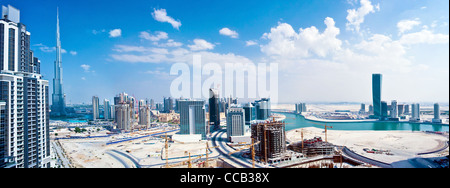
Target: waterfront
{"x": 295, "y": 121}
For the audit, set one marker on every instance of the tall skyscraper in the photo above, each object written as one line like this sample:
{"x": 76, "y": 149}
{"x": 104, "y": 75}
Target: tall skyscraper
{"x": 192, "y": 117}
{"x": 123, "y": 116}
{"x": 144, "y": 113}
{"x": 235, "y": 122}
{"x": 214, "y": 111}
{"x": 106, "y": 110}
{"x": 415, "y": 112}
{"x": 376, "y": 94}
{"x": 263, "y": 109}
{"x": 394, "y": 109}
{"x": 58, "y": 97}
{"x": 168, "y": 104}
{"x": 95, "y": 108}
{"x": 24, "y": 105}
{"x": 437, "y": 113}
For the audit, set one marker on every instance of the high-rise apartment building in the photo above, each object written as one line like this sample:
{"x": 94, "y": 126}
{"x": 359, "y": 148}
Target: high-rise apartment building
{"x": 24, "y": 125}
{"x": 437, "y": 113}
{"x": 144, "y": 113}
{"x": 192, "y": 117}
{"x": 376, "y": 94}
{"x": 95, "y": 108}
{"x": 235, "y": 122}
{"x": 106, "y": 110}
{"x": 123, "y": 116}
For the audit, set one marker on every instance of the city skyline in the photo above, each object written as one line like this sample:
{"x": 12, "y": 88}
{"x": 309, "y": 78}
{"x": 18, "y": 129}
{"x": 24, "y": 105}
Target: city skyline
{"x": 334, "y": 49}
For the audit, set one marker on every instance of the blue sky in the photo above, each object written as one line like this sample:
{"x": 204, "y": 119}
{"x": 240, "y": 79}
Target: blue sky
{"x": 326, "y": 50}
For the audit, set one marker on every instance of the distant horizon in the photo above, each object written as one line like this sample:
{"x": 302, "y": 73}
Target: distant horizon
{"x": 324, "y": 50}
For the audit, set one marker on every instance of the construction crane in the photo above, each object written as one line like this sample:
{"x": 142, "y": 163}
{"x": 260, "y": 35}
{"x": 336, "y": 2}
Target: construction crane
{"x": 326, "y": 126}
{"x": 207, "y": 149}
{"x": 166, "y": 146}
{"x": 183, "y": 162}
{"x": 245, "y": 147}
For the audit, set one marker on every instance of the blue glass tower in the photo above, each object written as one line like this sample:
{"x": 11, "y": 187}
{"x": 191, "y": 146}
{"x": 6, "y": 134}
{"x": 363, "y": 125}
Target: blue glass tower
{"x": 376, "y": 94}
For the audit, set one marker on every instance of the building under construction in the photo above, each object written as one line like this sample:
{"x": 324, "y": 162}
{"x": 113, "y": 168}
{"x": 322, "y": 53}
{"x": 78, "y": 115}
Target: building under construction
{"x": 312, "y": 147}
{"x": 272, "y": 138}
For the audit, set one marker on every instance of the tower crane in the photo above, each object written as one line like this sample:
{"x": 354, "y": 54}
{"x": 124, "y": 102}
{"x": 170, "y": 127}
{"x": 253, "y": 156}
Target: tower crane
{"x": 326, "y": 126}
{"x": 245, "y": 147}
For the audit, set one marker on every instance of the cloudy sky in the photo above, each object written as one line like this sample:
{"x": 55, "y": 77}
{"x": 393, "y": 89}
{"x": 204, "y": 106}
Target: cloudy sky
{"x": 326, "y": 50}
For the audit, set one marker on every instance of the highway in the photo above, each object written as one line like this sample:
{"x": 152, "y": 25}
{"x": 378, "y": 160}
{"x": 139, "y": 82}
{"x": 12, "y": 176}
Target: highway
{"x": 120, "y": 156}
{"x": 219, "y": 140}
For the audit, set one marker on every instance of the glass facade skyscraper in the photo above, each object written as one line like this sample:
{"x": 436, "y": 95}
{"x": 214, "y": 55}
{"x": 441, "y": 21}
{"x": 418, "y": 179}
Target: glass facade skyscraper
{"x": 58, "y": 98}
{"x": 376, "y": 94}
{"x": 192, "y": 117}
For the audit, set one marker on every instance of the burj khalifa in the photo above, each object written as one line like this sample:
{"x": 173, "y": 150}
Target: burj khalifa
{"x": 58, "y": 97}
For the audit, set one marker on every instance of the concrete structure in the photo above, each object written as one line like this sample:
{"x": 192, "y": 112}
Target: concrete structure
{"x": 58, "y": 96}
{"x": 24, "y": 98}
{"x": 272, "y": 138}
{"x": 192, "y": 117}
{"x": 235, "y": 122}
{"x": 144, "y": 114}
{"x": 376, "y": 94}
{"x": 123, "y": 118}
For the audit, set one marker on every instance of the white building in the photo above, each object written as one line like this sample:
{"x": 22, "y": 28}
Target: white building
{"x": 235, "y": 122}
{"x": 26, "y": 122}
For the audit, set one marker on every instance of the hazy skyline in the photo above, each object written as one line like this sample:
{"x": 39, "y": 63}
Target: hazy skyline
{"x": 326, "y": 50}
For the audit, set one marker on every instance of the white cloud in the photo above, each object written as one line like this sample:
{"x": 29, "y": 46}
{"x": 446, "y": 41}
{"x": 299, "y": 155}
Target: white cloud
{"x": 85, "y": 67}
{"x": 200, "y": 44}
{"x": 46, "y": 49}
{"x": 285, "y": 42}
{"x": 73, "y": 52}
{"x": 169, "y": 43}
{"x": 355, "y": 17}
{"x": 228, "y": 32}
{"x": 406, "y": 25}
{"x": 158, "y": 35}
{"x": 424, "y": 37}
{"x": 95, "y": 32}
{"x": 250, "y": 43}
{"x": 115, "y": 33}
{"x": 161, "y": 16}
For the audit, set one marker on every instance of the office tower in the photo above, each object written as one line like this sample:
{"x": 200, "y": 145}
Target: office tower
{"x": 250, "y": 113}
{"x": 415, "y": 112}
{"x": 300, "y": 107}
{"x": 144, "y": 113}
{"x": 370, "y": 109}
{"x": 437, "y": 113}
{"x": 394, "y": 109}
{"x": 58, "y": 97}
{"x": 376, "y": 94}
{"x": 25, "y": 97}
{"x": 272, "y": 138}
{"x": 123, "y": 116}
{"x": 95, "y": 108}
{"x": 123, "y": 98}
{"x": 262, "y": 107}
{"x": 106, "y": 110}
{"x": 363, "y": 108}
{"x": 235, "y": 122}
{"x": 384, "y": 109}
{"x": 192, "y": 117}
{"x": 401, "y": 109}
{"x": 406, "y": 109}
{"x": 168, "y": 104}
{"x": 214, "y": 112}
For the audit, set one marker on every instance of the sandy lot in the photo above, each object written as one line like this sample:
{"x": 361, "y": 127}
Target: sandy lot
{"x": 402, "y": 145}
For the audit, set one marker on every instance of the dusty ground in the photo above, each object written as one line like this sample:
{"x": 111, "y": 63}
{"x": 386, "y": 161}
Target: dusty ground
{"x": 402, "y": 144}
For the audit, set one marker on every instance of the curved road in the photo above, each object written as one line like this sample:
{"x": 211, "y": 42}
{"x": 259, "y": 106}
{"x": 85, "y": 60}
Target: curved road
{"x": 125, "y": 164}
{"x": 224, "y": 150}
